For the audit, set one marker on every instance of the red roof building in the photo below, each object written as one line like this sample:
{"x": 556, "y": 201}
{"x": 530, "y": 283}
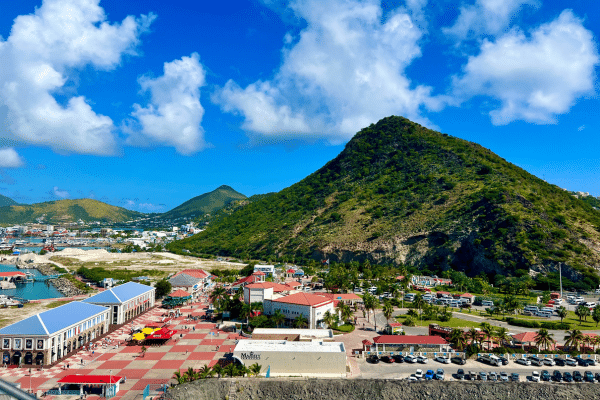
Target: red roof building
{"x": 180, "y": 293}
{"x": 311, "y": 306}
{"x": 304, "y": 299}
{"x": 196, "y": 273}
{"x": 409, "y": 343}
{"x": 345, "y": 297}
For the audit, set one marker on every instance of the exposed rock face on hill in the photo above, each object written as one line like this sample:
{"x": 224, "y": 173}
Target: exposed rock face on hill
{"x": 401, "y": 193}
{"x": 358, "y": 389}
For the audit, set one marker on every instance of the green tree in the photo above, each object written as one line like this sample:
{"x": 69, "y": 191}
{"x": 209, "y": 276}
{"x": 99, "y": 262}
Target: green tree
{"x": 217, "y": 370}
{"x": 278, "y": 318}
{"x": 369, "y": 303}
{"x": 582, "y": 312}
{"x": 502, "y": 335}
{"x": 179, "y": 377}
{"x": 596, "y": 315}
{"x": 562, "y": 313}
{"x": 163, "y": 288}
{"x": 574, "y": 338}
{"x": 255, "y": 369}
{"x": 328, "y": 318}
{"x": 301, "y": 321}
{"x": 388, "y": 310}
{"x": 544, "y": 339}
{"x": 458, "y": 339}
{"x": 246, "y": 312}
{"x": 489, "y": 331}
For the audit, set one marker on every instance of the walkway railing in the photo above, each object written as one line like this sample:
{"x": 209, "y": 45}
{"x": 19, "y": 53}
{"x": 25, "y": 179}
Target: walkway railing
{"x": 56, "y": 392}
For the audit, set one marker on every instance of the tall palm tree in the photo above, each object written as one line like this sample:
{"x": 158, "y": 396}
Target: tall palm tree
{"x": 246, "y": 312}
{"x": 488, "y": 330}
{"x": 257, "y": 306}
{"x": 328, "y": 318}
{"x": 587, "y": 341}
{"x": 369, "y": 304}
{"x": 562, "y": 313}
{"x": 474, "y": 335}
{"x": 278, "y": 318}
{"x": 574, "y": 338}
{"x": 458, "y": 339}
{"x": 218, "y": 370}
{"x": 255, "y": 369}
{"x": 502, "y": 335}
{"x": 388, "y": 310}
{"x": 347, "y": 313}
{"x": 206, "y": 371}
{"x": 179, "y": 377}
{"x": 218, "y": 295}
{"x": 544, "y": 339}
{"x": 582, "y": 312}
{"x": 301, "y": 321}
{"x": 230, "y": 369}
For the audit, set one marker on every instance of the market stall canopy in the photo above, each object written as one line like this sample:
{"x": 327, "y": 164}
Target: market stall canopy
{"x": 139, "y": 336}
{"x": 147, "y": 331}
{"x": 161, "y": 334}
{"x": 90, "y": 379}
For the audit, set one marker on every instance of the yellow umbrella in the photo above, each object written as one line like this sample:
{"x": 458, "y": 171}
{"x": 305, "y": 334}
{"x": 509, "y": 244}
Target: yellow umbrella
{"x": 157, "y": 329}
{"x": 139, "y": 336}
{"x": 147, "y": 331}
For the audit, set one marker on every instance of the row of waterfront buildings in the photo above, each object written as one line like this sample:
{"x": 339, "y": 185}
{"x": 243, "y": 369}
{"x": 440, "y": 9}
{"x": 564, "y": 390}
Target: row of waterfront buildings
{"x": 46, "y": 337}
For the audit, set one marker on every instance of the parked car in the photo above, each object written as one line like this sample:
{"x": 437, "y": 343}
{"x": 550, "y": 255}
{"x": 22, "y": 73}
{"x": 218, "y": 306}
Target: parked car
{"x": 536, "y": 361}
{"x": 410, "y": 359}
{"x": 577, "y": 377}
{"x": 571, "y": 362}
{"x": 560, "y": 362}
{"x": 399, "y": 358}
{"x": 460, "y": 374}
{"x": 549, "y": 362}
{"x": 504, "y": 376}
{"x": 515, "y": 377}
{"x": 492, "y": 376}
{"x": 588, "y": 376}
{"x": 373, "y": 359}
{"x": 504, "y": 360}
{"x": 557, "y": 376}
{"x": 472, "y": 376}
{"x": 439, "y": 374}
{"x": 482, "y": 376}
{"x": 419, "y": 374}
{"x": 422, "y": 360}
{"x": 458, "y": 360}
{"x": 429, "y": 375}
{"x": 523, "y": 361}
{"x": 546, "y": 376}
{"x": 443, "y": 360}
{"x": 567, "y": 377}
{"x": 581, "y": 362}
{"x": 387, "y": 359}
{"x": 535, "y": 376}
{"x": 591, "y": 362}
{"x": 597, "y": 376}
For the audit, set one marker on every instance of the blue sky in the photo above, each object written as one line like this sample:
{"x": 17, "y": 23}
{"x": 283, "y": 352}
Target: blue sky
{"x": 147, "y": 104}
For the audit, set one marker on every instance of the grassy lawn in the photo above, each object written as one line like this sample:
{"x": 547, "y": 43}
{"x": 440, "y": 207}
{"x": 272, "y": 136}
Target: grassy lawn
{"x": 574, "y": 321}
{"x": 453, "y": 323}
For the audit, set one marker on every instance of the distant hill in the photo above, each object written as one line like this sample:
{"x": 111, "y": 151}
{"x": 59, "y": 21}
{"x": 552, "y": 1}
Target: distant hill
{"x": 403, "y": 194}
{"x": 229, "y": 209}
{"x": 6, "y": 201}
{"x": 207, "y": 203}
{"x": 62, "y": 211}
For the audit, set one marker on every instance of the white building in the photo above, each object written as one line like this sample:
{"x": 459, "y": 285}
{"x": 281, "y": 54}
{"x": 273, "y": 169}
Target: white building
{"x": 261, "y": 291}
{"x": 193, "y": 281}
{"x": 285, "y": 358}
{"x": 125, "y": 301}
{"x": 269, "y": 270}
{"x": 311, "y": 306}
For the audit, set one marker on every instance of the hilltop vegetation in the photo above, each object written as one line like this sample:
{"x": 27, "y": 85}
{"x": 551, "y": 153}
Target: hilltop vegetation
{"x": 207, "y": 203}
{"x": 6, "y": 201}
{"x": 403, "y": 194}
{"x": 62, "y": 211}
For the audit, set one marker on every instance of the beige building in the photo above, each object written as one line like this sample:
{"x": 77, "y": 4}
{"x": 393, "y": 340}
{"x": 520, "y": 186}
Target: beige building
{"x": 293, "y": 335}
{"x": 286, "y": 358}
{"x": 311, "y": 306}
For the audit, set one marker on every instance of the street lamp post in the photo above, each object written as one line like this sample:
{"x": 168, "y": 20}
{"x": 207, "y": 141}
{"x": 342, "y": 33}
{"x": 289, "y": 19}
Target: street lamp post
{"x": 30, "y": 380}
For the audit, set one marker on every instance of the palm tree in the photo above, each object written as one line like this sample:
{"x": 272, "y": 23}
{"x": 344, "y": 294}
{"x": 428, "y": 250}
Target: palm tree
{"x": 255, "y": 369}
{"x": 419, "y": 302}
{"x": 369, "y": 303}
{"x": 587, "y": 340}
{"x": 246, "y": 312}
{"x": 502, "y": 335}
{"x": 206, "y": 371}
{"x": 301, "y": 321}
{"x": 388, "y": 310}
{"x": 346, "y": 313}
{"x": 179, "y": 377}
{"x": 596, "y": 315}
{"x": 488, "y": 330}
{"x": 544, "y": 339}
{"x": 562, "y": 313}
{"x": 218, "y": 295}
{"x": 573, "y": 338}
{"x": 218, "y": 370}
{"x": 328, "y": 318}
{"x": 278, "y": 317}
{"x": 230, "y": 369}
{"x": 582, "y": 312}
{"x": 257, "y": 306}
{"x": 474, "y": 335}
{"x": 458, "y": 339}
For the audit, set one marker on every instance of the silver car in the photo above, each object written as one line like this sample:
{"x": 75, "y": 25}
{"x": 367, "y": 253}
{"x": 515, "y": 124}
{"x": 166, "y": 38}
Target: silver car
{"x": 523, "y": 361}
{"x": 550, "y": 362}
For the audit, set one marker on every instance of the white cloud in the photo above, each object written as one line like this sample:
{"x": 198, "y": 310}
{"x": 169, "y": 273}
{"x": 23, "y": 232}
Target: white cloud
{"x": 581, "y": 128}
{"x": 343, "y": 72}
{"x": 488, "y": 17}
{"x": 174, "y": 114}
{"x": 63, "y": 194}
{"x": 534, "y": 77}
{"x": 43, "y": 51}
{"x": 9, "y": 158}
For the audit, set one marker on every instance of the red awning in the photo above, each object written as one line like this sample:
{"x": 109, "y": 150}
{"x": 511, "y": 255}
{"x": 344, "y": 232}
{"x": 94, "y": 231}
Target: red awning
{"x": 90, "y": 379}
{"x": 163, "y": 333}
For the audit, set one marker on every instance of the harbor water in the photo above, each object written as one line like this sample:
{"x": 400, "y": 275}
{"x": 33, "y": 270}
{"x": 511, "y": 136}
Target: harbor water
{"x": 30, "y": 290}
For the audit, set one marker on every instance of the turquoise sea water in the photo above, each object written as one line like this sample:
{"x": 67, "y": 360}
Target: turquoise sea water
{"x": 31, "y": 290}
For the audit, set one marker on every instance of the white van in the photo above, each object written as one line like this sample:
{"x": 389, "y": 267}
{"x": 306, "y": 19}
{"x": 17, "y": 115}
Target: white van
{"x": 590, "y": 304}
{"x": 409, "y": 296}
{"x": 487, "y": 303}
{"x": 532, "y": 309}
{"x": 545, "y": 314}
{"x": 454, "y": 303}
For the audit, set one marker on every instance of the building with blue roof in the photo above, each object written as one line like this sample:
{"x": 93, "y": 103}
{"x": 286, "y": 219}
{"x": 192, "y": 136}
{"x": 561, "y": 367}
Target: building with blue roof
{"x": 48, "y": 336}
{"x": 125, "y": 301}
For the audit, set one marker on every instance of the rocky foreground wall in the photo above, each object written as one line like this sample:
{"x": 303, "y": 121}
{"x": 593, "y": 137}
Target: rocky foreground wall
{"x": 358, "y": 389}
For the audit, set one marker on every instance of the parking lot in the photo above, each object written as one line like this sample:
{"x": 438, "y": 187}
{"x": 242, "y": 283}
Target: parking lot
{"x": 404, "y": 370}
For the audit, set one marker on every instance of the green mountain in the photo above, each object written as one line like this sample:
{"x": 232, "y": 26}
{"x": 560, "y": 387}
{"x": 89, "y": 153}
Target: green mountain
{"x": 62, "y": 211}
{"x": 6, "y": 201}
{"x": 207, "y": 203}
{"x": 401, "y": 193}
{"x": 228, "y": 209}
